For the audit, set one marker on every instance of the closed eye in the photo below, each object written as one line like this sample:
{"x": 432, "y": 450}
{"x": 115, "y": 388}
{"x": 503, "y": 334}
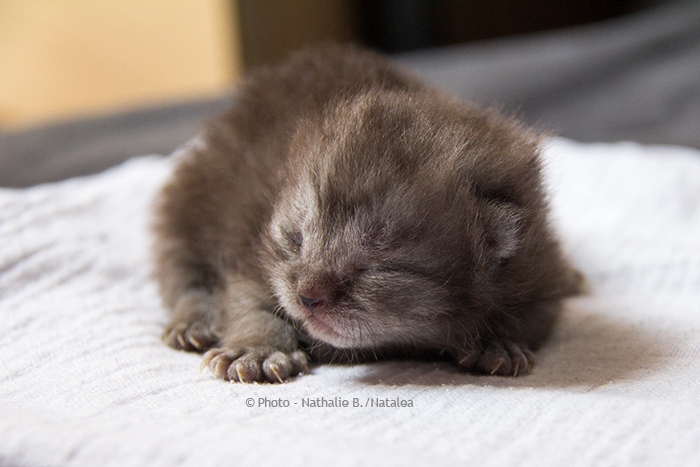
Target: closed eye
{"x": 294, "y": 240}
{"x": 404, "y": 268}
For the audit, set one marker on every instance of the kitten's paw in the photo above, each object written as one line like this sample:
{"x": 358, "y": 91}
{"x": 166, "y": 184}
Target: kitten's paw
{"x": 255, "y": 365}
{"x": 499, "y": 358}
{"x": 193, "y": 337}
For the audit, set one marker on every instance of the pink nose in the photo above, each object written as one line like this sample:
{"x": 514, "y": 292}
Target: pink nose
{"x": 311, "y": 303}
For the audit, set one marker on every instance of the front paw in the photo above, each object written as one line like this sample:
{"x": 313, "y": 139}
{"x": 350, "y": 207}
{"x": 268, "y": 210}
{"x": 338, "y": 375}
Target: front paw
{"x": 191, "y": 336}
{"x": 255, "y": 365}
{"x": 498, "y": 358}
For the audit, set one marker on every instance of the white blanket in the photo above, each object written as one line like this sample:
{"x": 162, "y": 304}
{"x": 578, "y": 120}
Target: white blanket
{"x": 86, "y": 381}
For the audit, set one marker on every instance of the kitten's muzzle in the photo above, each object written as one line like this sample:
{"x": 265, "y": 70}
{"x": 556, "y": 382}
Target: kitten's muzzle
{"x": 314, "y": 292}
{"x": 311, "y": 303}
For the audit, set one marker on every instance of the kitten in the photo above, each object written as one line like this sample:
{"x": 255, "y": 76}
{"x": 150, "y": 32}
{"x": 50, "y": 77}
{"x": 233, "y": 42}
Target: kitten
{"x": 344, "y": 210}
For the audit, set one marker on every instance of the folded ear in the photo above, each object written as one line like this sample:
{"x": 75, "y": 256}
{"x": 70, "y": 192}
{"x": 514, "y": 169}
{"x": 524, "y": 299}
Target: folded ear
{"x": 504, "y": 230}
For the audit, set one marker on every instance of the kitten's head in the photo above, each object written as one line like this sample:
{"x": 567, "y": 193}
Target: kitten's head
{"x": 384, "y": 232}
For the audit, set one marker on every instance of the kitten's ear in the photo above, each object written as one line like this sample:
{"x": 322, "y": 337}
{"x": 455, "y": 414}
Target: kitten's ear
{"x": 504, "y": 233}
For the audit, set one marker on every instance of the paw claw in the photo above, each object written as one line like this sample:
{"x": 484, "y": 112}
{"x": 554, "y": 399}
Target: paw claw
{"x": 502, "y": 359}
{"x": 247, "y": 369}
{"x": 277, "y": 375}
{"x": 207, "y": 358}
{"x": 192, "y": 337}
{"x": 252, "y": 365}
{"x": 181, "y": 341}
{"x": 497, "y": 365}
{"x": 195, "y": 342}
{"x": 218, "y": 361}
{"x": 469, "y": 359}
{"x": 220, "y": 366}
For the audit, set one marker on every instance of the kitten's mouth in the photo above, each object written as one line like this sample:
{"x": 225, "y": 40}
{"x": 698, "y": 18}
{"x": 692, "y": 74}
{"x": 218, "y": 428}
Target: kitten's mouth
{"x": 320, "y": 325}
{"x": 324, "y": 328}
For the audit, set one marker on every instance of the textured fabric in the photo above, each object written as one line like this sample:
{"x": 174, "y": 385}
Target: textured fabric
{"x": 56, "y": 151}
{"x": 86, "y": 381}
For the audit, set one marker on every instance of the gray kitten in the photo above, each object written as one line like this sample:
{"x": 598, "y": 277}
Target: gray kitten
{"x": 344, "y": 210}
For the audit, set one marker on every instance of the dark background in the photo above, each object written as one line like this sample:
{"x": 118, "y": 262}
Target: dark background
{"x": 402, "y": 25}
{"x": 270, "y": 28}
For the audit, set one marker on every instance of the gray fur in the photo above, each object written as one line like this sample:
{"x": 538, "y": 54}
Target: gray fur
{"x": 343, "y": 209}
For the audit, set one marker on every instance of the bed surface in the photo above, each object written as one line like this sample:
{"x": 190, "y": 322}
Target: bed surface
{"x": 86, "y": 381}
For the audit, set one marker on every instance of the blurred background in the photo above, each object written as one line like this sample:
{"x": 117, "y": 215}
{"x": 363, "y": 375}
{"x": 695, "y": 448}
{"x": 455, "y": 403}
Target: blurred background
{"x": 62, "y": 58}
{"x": 85, "y": 84}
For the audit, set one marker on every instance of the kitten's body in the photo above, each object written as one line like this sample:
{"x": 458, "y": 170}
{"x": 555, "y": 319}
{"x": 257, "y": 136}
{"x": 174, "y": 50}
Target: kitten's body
{"x": 344, "y": 208}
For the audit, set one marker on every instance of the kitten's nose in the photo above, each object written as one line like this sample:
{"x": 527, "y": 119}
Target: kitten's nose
{"x": 311, "y": 302}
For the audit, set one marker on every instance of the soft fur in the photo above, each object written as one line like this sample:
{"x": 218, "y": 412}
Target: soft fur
{"x": 343, "y": 209}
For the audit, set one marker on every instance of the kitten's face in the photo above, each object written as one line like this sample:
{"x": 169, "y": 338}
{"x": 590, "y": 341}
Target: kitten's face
{"x": 351, "y": 283}
{"x": 377, "y": 240}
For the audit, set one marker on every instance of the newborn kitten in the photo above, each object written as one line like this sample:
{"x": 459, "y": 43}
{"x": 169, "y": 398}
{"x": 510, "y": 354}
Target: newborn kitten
{"x": 343, "y": 209}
